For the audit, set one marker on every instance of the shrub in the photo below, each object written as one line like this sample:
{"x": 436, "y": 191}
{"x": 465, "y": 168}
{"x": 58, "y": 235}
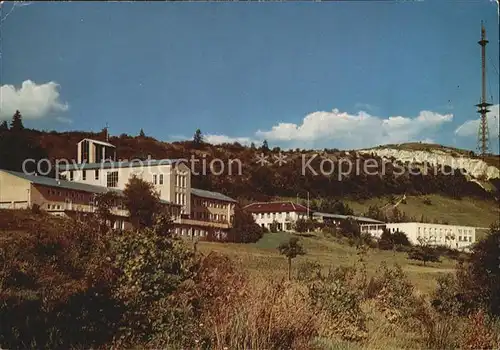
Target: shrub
{"x": 340, "y": 307}
{"x": 56, "y": 288}
{"x": 395, "y": 296}
{"x": 301, "y": 225}
{"x": 273, "y": 227}
{"x": 152, "y": 267}
{"x": 244, "y": 229}
{"x": 35, "y": 209}
{"x": 308, "y": 271}
{"x": 476, "y": 283}
{"x": 479, "y": 333}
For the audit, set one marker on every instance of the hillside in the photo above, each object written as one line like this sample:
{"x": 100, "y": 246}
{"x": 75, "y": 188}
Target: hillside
{"x": 478, "y": 168}
{"x": 322, "y": 173}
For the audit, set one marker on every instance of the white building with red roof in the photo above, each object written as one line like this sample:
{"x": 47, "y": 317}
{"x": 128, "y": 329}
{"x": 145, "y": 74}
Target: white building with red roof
{"x": 284, "y": 213}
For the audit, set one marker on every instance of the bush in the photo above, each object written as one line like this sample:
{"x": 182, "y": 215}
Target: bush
{"x": 476, "y": 284}
{"x": 336, "y": 297}
{"x": 301, "y": 225}
{"x": 56, "y": 289}
{"x": 480, "y": 333}
{"x": 152, "y": 267}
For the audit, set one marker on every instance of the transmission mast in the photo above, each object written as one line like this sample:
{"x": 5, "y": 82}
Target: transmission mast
{"x": 483, "y": 134}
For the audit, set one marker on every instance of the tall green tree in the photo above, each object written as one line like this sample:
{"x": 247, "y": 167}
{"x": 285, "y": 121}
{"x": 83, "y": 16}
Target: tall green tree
{"x": 142, "y": 202}
{"x": 4, "y": 126}
{"x": 17, "y": 122}
{"x": 244, "y": 228}
{"x": 265, "y": 146}
{"x": 291, "y": 250}
{"x": 141, "y": 133}
{"x": 197, "y": 138}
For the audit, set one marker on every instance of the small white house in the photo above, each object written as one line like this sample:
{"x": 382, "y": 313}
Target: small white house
{"x": 285, "y": 214}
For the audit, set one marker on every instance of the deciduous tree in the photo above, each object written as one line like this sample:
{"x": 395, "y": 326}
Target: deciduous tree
{"x": 291, "y": 250}
{"x": 142, "y": 202}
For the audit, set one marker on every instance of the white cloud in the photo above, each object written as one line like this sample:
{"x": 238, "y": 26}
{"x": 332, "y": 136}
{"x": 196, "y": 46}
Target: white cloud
{"x": 340, "y": 129}
{"x": 218, "y": 139}
{"x": 471, "y": 127}
{"x": 33, "y": 100}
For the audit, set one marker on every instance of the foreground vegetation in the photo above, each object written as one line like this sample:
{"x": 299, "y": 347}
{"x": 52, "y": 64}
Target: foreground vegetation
{"x": 68, "y": 284}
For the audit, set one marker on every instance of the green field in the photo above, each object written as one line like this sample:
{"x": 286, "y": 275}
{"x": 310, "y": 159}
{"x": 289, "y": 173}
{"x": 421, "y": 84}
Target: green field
{"x": 261, "y": 259}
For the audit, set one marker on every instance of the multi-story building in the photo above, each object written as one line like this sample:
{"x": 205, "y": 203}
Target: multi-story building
{"x": 57, "y": 197}
{"x": 171, "y": 178}
{"x": 285, "y": 214}
{"x": 211, "y": 214}
{"x": 452, "y": 236}
{"x": 203, "y": 213}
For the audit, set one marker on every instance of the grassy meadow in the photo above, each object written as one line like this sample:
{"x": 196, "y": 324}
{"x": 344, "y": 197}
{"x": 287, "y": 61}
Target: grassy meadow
{"x": 262, "y": 259}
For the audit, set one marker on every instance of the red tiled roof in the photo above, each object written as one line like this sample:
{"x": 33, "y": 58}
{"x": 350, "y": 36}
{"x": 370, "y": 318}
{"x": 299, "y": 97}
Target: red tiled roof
{"x": 275, "y": 207}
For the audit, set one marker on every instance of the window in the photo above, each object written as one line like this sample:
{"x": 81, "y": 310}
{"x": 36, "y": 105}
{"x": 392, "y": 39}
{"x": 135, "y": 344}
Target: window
{"x": 84, "y": 175}
{"x": 112, "y": 179}
{"x": 161, "y": 179}
{"x": 71, "y": 175}
{"x": 96, "y": 174}
{"x": 154, "y": 179}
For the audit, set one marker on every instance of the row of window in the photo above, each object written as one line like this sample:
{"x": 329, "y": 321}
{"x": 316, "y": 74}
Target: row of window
{"x": 194, "y": 232}
{"x": 441, "y": 230}
{"x": 447, "y": 237}
{"x": 209, "y": 204}
{"x": 181, "y": 181}
{"x": 277, "y": 215}
{"x": 210, "y": 216}
{"x": 180, "y": 198}
{"x": 68, "y": 194}
{"x": 84, "y": 175}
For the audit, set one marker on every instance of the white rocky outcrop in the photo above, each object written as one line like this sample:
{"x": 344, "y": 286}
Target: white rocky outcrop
{"x": 476, "y": 168}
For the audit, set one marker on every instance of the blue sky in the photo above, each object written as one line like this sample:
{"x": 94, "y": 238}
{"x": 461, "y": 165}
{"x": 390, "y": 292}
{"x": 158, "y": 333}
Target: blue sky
{"x": 299, "y": 74}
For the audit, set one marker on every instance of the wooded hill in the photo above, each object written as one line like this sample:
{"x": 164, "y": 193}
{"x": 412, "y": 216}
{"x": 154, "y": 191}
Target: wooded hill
{"x": 257, "y": 182}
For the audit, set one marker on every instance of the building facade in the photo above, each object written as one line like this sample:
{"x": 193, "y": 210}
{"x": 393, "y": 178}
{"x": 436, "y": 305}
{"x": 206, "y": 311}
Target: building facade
{"x": 57, "y": 197}
{"x": 212, "y": 215}
{"x": 452, "y": 236}
{"x": 202, "y": 213}
{"x": 171, "y": 179}
{"x": 285, "y": 214}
